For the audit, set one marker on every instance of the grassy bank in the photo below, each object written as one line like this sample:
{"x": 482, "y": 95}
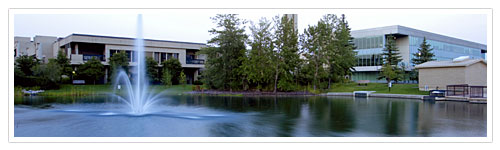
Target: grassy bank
{"x": 87, "y": 90}
{"x": 411, "y": 89}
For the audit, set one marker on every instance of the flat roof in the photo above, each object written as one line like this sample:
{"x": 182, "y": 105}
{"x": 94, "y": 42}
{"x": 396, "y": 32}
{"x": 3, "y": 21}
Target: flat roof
{"x": 128, "y": 38}
{"x": 398, "y": 29}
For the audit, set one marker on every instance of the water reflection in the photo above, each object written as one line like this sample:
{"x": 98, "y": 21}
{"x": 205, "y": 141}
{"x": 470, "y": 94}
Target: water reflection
{"x": 279, "y": 116}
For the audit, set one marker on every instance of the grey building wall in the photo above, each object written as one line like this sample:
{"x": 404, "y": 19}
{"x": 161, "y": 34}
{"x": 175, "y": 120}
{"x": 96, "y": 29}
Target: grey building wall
{"x": 40, "y": 46}
{"x": 43, "y": 46}
{"x": 24, "y": 46}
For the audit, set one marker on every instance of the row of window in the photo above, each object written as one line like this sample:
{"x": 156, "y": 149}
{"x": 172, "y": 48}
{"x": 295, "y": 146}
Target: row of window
{"x": 369, "y": 42}
{"x": 162, "y": 56}
{"x": 369, "y": 60}
{"x": 130, "y": 54}
{"x": 441, "y": 46}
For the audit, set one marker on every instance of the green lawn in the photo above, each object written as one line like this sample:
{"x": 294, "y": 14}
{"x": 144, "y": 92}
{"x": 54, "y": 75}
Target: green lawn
{"x": 379, "y": 88}
{"x": 85, "y": 90}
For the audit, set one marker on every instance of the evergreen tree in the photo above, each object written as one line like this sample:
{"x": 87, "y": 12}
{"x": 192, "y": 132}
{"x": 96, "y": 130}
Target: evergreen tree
{"x": 92, "y": 70}
{"x": 285, "y": 56}
{"x": 343, "y": 61}
{"x": 390, "y": 70}
{"x": 225, "y": 53}
{"x": 256, "y": 66}
{"x": 424, "y": 54}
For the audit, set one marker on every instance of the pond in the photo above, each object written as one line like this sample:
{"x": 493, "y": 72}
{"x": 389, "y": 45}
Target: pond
{"x": 254, "y": 116}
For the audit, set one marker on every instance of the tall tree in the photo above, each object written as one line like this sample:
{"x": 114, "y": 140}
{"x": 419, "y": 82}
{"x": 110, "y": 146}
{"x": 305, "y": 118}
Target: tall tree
{"x": 256, "y": 66}
{"x": 342, "y": 62}
{"x": 424, "y": 54}
{"x": 25, "y": 63}
{"x": 390, "y": 70}
{"x": 92, "y": 70}
{"x": 119, "y": 61}
{"x": 182, "y": 78}
{"x": 47, "y": 75}
{"x": 285, "y": 56}
{"x": 174, "y": 68}
{"x": 64, "y": 63}
{"x": 225, "y": 53}
{"x": 152, "y": 69}
{"x": 319, "y": 41}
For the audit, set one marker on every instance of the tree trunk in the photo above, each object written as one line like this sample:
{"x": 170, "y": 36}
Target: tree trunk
{"x": 329, "y": 81}
{"x": 315, "y": 77}
{"x": 276, "y": 79}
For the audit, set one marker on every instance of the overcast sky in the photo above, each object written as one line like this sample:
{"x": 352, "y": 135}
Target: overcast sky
{"x": 193, "y": 27}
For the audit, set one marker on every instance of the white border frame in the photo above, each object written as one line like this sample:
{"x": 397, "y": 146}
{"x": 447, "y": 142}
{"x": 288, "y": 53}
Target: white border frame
{"x": 488, "y": 138}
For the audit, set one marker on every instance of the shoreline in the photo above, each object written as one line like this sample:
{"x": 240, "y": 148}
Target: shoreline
{"x": 249, "y": 93}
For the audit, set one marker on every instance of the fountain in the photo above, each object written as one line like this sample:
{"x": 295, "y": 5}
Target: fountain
{"x": 136, "y": 95}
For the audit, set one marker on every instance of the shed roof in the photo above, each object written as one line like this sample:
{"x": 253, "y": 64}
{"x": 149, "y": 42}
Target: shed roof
{"x": 449, "y": 63}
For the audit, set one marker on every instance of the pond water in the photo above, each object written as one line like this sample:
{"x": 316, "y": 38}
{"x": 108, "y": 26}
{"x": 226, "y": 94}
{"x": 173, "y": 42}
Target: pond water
{"x": 256, "y": 116}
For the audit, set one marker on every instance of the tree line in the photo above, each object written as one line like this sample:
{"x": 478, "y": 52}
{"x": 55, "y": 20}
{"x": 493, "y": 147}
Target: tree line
{"x": 30, "y": 72}
{"x": 279, "y": 58}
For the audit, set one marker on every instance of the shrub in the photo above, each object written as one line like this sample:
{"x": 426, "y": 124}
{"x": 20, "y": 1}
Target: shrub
{"x": 197, "y": 82}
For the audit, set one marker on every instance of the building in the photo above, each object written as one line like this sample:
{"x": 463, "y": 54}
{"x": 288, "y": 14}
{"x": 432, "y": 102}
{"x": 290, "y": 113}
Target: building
{"x": 81, "y": 47}
{"x": 40, "y": 46}
{"x": 439, "y": 74}
{"x": 371, "y": 42}
{"x": 294, "y": 18}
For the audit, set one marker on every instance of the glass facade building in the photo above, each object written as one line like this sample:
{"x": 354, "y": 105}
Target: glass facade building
{"x": 370, "y": 43}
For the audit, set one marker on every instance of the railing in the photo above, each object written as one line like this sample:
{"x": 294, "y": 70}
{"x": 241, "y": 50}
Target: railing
{"x": 195, "y": 61}
{"x": 457, "y": 90}
{"x": 465, "y": 90}
{"x": 89, "y": 56}
{"x": 477, "y": 91}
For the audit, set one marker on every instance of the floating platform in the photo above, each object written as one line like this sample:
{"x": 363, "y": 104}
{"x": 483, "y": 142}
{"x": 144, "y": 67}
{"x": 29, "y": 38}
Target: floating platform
{"x": 362, "y": 93}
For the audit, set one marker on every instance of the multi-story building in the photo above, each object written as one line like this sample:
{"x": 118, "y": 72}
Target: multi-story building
{"x": 40, "y": 46}
{"x": 80, "y": 48}
{"x": 370, "y": 43}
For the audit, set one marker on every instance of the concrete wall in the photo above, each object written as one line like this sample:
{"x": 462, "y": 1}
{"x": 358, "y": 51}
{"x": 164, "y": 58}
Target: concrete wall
{"x": 403, "y": 44}
{"x": 440, "y": 77}
{"x": 24, "y": 46}
{"x": 476, "y": 74}
{"x": 44, "y": 47}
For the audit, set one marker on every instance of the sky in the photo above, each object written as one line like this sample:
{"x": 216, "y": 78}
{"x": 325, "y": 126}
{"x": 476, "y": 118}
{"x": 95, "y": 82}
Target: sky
{"x": 194, "y": 26}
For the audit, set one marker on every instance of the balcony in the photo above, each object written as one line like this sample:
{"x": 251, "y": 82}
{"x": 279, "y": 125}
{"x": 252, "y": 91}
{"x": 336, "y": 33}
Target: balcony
{"x": 195, "y": 61}
{"x": 190, "y": 59}
{"x": 87, "y": 57}
{"x": 76, "y": 59}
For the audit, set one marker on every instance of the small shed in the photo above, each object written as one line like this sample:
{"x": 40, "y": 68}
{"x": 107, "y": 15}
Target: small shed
{"x": 437, "y": 74}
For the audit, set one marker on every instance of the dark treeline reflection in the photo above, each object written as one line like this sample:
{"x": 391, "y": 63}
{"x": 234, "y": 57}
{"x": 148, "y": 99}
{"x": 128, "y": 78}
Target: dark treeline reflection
{"x": 345, "y": 116}
{"x": 321, "y": 116}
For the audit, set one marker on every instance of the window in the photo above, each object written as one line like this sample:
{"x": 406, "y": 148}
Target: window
{"x": 163, "y": 57}
{"x": 169, "y": 56}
